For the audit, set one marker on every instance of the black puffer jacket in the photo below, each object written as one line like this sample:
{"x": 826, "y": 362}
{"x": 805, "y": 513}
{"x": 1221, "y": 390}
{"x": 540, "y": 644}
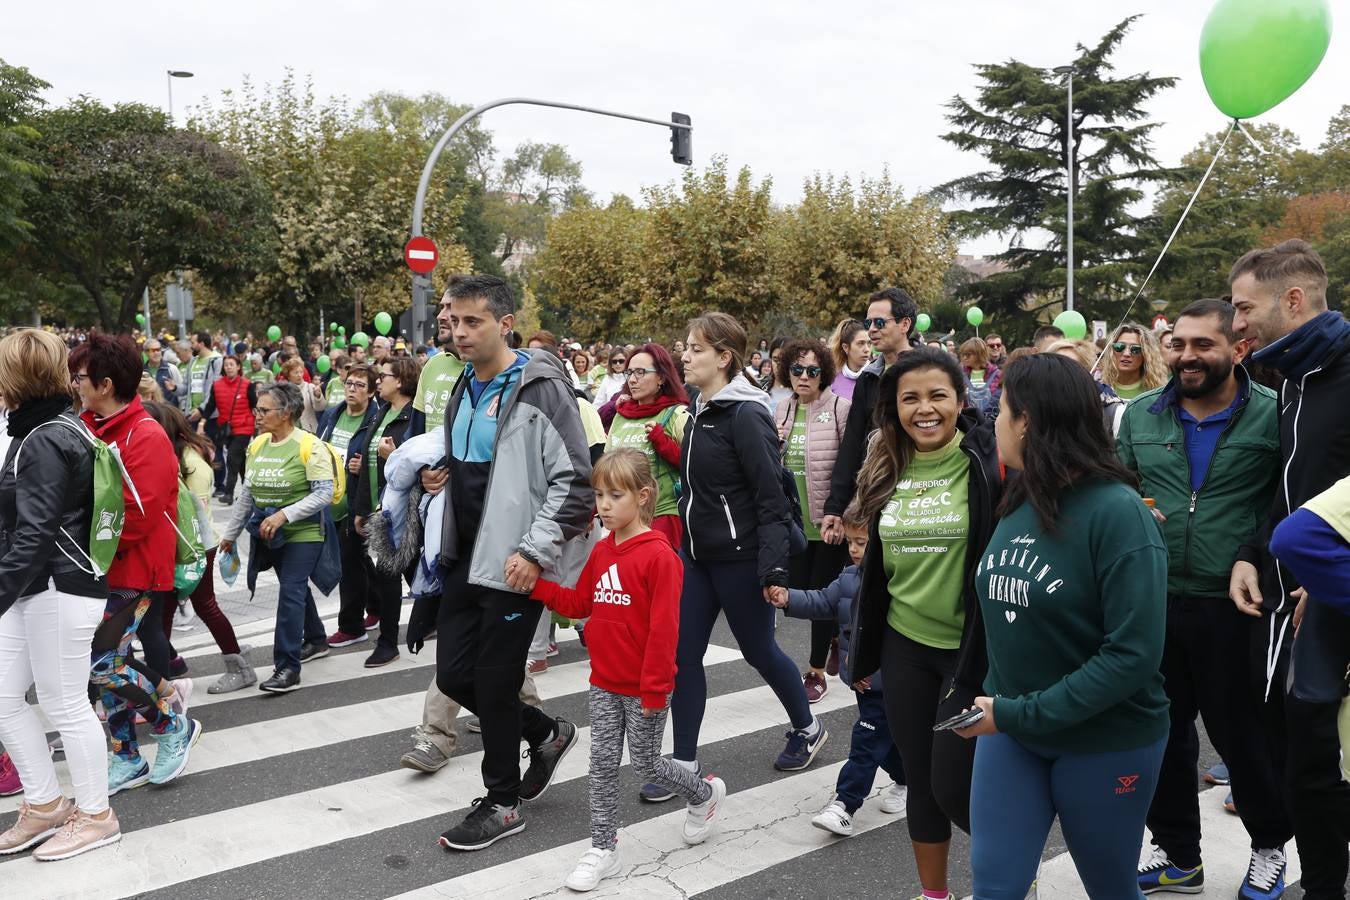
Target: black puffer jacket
{"x": 399, "y": 429}
{"x": 732, "y": 503}
{"x": 874, "y": 599}
{"x": 53, "y": 490}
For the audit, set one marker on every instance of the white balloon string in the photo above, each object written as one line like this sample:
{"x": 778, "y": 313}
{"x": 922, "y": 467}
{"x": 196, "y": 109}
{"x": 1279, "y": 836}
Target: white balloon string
{"x": 1185, "y": 212}
{"x": 1248, "y": 135}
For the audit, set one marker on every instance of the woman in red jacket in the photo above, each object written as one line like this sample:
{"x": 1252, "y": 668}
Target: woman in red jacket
{"x": 232, "y": 399}
{"x": 630, "y": 589}
{"x": 106, "y": 371}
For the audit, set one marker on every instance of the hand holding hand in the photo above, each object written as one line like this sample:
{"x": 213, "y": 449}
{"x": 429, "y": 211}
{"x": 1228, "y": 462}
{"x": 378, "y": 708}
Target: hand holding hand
{"x": 832, "y": 530}
{"x": 776, "y": 595}
{"x": 521, "y": 574}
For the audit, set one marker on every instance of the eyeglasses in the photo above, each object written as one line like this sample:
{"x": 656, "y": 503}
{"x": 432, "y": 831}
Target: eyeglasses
{"x": 878, "y": 323}
{"x": 78, "y": 377}
{"x": 356, "y": 384}
{"x": 1135, "y": 349}
{"x": 640, "y": 373}
{"x": 995, "y": 345}
{"x": 800, "y": 370}
{"x": 264, "y": 410}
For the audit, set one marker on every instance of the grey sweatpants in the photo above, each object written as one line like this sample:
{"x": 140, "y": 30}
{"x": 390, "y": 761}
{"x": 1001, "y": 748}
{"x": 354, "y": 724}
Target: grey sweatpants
{"x": 611, "y": 716}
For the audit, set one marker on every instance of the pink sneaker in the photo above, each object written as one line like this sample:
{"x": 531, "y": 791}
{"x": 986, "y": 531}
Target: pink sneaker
{"x": 33, "y": 827}
{"x": 81, "y": 832}
{"x": 9, "y": 777}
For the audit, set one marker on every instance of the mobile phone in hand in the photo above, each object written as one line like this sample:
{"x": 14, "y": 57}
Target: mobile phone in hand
{"x": 961, "y": 720}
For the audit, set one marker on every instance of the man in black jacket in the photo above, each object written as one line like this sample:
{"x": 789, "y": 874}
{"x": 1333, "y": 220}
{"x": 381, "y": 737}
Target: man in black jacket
{"x": 889, "y": 320}
{"x": 1279, "y": 294}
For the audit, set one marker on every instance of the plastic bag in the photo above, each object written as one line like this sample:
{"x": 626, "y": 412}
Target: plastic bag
{"x": 229, "y": 565}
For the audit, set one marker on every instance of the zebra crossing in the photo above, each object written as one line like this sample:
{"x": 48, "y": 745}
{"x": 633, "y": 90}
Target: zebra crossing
{"x": 301, "y": 795}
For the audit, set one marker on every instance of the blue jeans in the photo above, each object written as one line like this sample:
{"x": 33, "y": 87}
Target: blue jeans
{"x": 872, "y": 747}
{"x": 1101, "y": 800}
{"x": 297, "y": 616}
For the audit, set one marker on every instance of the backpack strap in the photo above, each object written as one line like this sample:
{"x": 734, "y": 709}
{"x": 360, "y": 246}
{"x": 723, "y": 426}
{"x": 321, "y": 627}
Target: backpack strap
{"x": 80, "y": 429}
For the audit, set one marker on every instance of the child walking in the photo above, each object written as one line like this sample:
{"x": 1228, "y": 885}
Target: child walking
{"x": 630, "y": 589}
{"x": 872, "y": 746}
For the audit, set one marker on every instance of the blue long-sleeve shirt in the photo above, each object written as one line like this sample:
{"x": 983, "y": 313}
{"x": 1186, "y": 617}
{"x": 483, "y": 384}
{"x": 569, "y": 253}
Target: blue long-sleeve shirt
{"x": 833, "y": 602}
{"x": 1317, "y": 554}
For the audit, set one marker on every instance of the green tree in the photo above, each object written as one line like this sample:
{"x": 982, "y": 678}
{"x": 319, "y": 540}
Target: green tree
{"x": 20, "y": 99}
{"x": 839, "y": 245}
{"x": 124, "y": 200}
{"x": 536, "y": 183}
{"x": 1016, "y": 122}
{"x": 590, "y": 267}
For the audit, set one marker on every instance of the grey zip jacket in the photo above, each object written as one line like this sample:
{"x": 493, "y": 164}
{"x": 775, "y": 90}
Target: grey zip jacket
{"x": 538, "y": 498}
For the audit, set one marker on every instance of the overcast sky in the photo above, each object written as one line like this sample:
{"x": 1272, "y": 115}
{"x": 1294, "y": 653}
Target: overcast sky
{"x": 788, "y": 87}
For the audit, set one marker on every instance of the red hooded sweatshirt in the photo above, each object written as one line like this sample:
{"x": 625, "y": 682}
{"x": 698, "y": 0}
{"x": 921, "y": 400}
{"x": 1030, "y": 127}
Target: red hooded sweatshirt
{"x": 631, "y": 591}
{"x": 145, "y": 555}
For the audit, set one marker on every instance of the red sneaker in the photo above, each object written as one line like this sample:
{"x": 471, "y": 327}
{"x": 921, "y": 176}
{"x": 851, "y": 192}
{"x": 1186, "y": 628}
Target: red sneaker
{"x": 815, "y": 687}
{"x": 343, "y": 639}
{"x": 372, "y": 621}
{"x": 537, "y": 666}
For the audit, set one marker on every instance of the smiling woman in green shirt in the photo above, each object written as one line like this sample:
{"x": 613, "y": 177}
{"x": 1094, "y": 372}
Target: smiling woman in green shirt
{"x": 930, "y": 485}
{"x": 1073, "y": 587}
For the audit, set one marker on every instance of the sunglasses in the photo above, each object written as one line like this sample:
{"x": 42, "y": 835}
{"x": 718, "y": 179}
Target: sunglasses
{"x": 1135, "y": 349}
{"x": 878, "y": 323}
{"x": 809, "y": 371}
{"x": 617, "y": 361}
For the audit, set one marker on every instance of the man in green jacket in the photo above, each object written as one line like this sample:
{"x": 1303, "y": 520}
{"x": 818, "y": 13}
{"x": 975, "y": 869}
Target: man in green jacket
{"x": 1206, "y": 448}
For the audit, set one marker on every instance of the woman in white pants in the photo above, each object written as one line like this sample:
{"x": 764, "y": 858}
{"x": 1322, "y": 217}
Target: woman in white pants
{"x": 51, "y": 600}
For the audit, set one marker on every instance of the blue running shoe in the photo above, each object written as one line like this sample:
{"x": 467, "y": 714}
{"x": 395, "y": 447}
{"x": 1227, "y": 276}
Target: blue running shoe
{"x": 174, "y": 748}
{"x": 1217, "y": 774}
{"x": 1158, "y": 874}
{"x": 801, "y": 751}
{"x": 1265, "y": 876}
{"x": 125, "y": 774}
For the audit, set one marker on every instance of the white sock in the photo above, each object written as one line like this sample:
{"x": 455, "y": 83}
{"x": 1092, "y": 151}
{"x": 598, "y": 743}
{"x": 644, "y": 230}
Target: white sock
{"x": 813, "y": 729}
{"x": 691, "y": 765}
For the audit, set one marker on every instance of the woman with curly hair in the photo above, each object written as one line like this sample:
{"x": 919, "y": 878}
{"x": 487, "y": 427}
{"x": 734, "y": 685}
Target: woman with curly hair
{"x": 1133, "y": 362}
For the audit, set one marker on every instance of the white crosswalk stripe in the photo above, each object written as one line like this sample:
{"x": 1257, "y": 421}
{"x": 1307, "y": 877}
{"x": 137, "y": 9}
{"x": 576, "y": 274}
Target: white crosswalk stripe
{"x": 279, "y": 788}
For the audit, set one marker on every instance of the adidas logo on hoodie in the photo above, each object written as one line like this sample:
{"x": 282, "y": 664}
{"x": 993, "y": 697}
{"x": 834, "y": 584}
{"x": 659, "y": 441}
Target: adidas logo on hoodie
{"x": 609, "y": 590}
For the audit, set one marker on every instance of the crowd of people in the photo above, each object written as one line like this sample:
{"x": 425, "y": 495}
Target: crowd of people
{"x": 1033, "y": 567}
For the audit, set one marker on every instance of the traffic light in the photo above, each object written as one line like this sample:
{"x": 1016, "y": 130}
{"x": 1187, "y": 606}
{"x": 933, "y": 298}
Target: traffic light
{"x": 681, "y": 140}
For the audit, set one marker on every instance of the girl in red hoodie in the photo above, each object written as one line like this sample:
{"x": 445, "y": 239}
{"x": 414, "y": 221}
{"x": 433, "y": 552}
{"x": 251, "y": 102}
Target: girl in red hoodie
{"x": 630, "y": 589}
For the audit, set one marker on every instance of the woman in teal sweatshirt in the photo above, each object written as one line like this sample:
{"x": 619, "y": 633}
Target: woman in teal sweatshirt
{"x": 1072, "y": 589}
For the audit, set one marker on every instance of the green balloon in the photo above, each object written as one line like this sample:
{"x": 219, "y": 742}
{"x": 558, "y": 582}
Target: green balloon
{"x": 1072, "y": 323}
{"x": 923, "y": 322}
{"x": 323, "y": 365}
{"x": 273, "y": 333}
{"x": 360, "y": 339}
{"x": 975, "y": 316}
{"x": 140, "y": 319}
{"x": 1256, "y": 53}
{"x": 383, "y": 322}
{"x": 276, "y": 368}
{"x": 342, "y": 329}
{"x": 332, "y": 327}
{"x": 339, "y": 343}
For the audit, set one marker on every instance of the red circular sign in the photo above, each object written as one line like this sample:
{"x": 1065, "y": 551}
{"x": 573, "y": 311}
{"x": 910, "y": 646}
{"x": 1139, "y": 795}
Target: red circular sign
{"x": 421, "y": 254}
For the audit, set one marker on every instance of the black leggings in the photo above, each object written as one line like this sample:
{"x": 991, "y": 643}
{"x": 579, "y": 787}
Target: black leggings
{"x": 154, "y": 636}
{"x": 814, "y": 568}
{"x": 235, "y": 449}
{"x": 938, "y": 765}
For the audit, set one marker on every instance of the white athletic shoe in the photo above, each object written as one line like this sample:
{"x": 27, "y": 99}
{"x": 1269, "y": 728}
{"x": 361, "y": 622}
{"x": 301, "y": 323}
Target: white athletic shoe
{"x": 895, "y": 799}
{"x": 700, "y": 817}
{"x": 834, "y": 819}
{"x": 595, "y": 865}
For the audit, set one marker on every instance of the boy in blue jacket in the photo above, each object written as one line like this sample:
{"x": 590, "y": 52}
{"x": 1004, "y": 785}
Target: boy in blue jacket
{"x": 871, "y": 747}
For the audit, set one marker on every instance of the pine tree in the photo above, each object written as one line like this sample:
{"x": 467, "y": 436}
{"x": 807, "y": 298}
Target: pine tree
{"x": 1017, "y": 123}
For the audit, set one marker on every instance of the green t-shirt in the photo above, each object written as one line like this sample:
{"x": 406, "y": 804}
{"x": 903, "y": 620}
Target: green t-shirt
{"x": 196, "y": 375}
{"x": 977, "y": 376}
{"x": 434, "y": 387}
{"x": 373, "y": 461}
{"x": 633, "y": 433}
{"x": 794, "y": 458}
{"x": 346, "y": 426}
{"x": 277, "y": 477}
{"x": 261, "y": 375}
{"x": 923, "y": 530}
{"x": 1074, "y": 622}
{"x": 335, "y": 392}
{"x": 1130, "y": 391}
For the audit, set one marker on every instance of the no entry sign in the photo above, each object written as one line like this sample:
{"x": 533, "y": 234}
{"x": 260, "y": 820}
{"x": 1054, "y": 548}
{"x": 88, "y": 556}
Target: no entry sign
{"x": 420, "y": 254}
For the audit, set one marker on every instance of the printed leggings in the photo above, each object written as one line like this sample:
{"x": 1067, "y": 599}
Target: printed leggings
{"x": 611, "y": 716}
{"x": 1101, "y": 800}
{"x": 124, "y": 684}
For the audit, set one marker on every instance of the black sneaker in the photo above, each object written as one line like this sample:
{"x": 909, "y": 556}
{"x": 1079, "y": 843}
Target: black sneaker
{"x": 314, "y": 650}
{"x": 282, "y": 681}
{"x": 485, "y": 824}
{"x": 382, "y": 656}
{"x": 544, "y": 760}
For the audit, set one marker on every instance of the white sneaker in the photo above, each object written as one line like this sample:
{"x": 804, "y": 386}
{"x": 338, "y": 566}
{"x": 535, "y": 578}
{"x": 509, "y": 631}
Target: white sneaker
{"x": 834, "y": 819}
{"x": 895, "y": 799}
{"x": 700, "y": 817}
{"x": 182, "y": 695}
{"x": 595, "y": 864}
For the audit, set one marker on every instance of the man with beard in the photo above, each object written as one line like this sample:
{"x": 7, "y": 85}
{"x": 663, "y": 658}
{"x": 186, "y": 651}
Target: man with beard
{"x": 1206, "y": 449}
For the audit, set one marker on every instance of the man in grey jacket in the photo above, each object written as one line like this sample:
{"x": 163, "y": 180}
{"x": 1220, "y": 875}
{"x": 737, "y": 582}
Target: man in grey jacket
{"x": 518, "y": 504}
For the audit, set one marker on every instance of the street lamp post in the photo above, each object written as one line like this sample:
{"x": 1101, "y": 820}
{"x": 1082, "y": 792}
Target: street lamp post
{"x": 1068, "y": 160}
{"x": 169, "y": 77}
